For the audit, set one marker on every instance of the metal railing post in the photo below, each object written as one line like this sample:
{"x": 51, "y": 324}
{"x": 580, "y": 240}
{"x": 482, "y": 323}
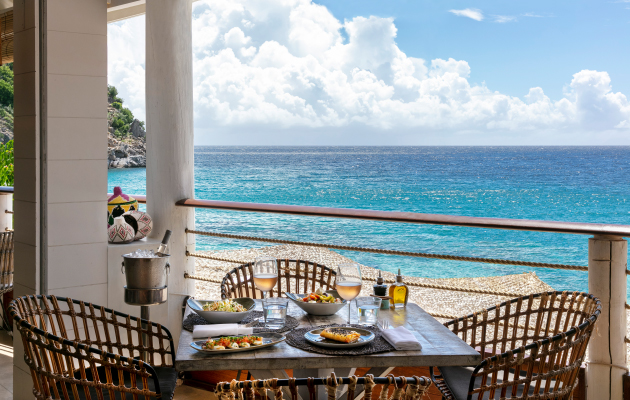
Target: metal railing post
{"x": 607, "y": 264}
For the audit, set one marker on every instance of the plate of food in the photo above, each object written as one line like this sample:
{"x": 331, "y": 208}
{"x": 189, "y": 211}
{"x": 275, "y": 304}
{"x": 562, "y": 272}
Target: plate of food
{"x": 223, "y": 311}
{"x": 339, "y": 337}
{"x": 232, "y": 344}
{"x": 319, "y": 302}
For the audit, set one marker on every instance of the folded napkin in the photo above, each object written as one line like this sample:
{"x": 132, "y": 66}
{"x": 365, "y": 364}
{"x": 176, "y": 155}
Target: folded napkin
{"x": 204, "y": 331}
{"x": 402, "y": 339}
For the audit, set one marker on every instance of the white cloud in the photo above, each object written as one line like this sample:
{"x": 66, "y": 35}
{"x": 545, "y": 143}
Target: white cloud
{"x": 471, "y": 13}
{"x": 291, "y": 66}
{"x": 501, "y": 19}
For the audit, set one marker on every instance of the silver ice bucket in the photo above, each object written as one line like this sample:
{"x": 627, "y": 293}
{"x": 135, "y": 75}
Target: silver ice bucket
{"x": 146, "y": 273}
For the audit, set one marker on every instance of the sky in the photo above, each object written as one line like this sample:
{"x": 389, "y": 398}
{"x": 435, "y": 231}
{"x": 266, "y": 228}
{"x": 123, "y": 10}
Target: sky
{"x": 400, "y": 72}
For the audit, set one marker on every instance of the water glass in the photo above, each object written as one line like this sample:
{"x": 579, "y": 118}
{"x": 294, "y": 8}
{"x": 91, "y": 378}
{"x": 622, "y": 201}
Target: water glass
{"x": 275, "y": 312}
{"x": 367, "y": 310}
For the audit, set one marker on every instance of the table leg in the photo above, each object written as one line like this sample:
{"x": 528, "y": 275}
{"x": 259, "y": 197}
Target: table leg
{"x": 305, "y": 373}
{"x": 322, "y": 394}
{"x": 340, "y": 373}
{"x": 273, "y": 373}
{"x": 377, "y": 372}
{"x": 144, "y": 314}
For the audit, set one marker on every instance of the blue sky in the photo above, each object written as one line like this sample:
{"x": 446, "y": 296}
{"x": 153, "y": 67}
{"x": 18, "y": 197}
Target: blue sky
{"x": 511, "y": 57}
{"x": 399, "y": 72}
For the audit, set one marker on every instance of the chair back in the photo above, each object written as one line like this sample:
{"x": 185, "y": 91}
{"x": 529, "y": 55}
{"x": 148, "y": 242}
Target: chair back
{"x": 74, "y": 347}
{"x": 367, "y": 387}
{"x": 6, "y": 262}
{"x": 295, "y": 276}
{"x": 533, "y": 344}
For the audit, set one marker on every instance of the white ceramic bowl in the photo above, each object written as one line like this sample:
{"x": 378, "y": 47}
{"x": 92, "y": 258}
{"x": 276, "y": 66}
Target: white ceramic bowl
{"x": 319, "y": 308}
{"x": 222, "y": 317}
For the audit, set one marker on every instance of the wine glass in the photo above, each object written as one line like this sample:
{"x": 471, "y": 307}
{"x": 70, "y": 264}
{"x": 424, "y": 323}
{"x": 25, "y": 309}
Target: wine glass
{"x": 265, "y": 274}
{"x": 348, "y": 283}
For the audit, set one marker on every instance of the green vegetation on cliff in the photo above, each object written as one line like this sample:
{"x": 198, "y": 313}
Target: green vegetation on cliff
{"x": 121, "y": 119}
{"x": 6, "y": 164}
{"x": 6, "y": 102}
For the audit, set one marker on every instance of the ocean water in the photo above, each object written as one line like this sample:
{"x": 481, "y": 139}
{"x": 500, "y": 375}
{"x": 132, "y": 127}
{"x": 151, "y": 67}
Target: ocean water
{"x": 581, "y": 184}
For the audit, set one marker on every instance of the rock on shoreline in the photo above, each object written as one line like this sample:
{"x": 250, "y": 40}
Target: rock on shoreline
{"x": 126, "y": 153}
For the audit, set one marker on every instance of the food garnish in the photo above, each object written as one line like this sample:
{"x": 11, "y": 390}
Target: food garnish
{"x": 319, "y": 296}
{"x": 224, "y": 305}
{"x": 232, "y": 342}
{"x": 340, "y": 335}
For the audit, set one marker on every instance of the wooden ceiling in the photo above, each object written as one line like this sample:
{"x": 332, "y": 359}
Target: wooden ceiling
{"x": 6, "y": 37}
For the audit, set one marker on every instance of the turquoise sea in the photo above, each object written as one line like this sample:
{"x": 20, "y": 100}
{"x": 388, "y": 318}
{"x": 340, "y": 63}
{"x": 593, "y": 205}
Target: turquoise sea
{"x": 585, "y": 184}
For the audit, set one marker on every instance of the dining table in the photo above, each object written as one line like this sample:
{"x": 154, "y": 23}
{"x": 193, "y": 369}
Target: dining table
{"x": 440, "y": 347}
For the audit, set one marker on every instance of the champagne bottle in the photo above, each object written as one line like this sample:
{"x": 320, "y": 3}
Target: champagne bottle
{"x": 163, "y": 249}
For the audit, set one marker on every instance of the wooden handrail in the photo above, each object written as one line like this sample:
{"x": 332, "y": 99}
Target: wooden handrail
{"x": 576, "y": 228}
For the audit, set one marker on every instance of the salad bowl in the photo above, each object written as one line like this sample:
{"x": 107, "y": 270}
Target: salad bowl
{"x": 225, "y": 316}
{"x": 315, "y": 307}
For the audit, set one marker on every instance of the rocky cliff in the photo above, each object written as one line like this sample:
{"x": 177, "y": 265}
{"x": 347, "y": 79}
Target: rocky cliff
{"x": 127, "y": 139}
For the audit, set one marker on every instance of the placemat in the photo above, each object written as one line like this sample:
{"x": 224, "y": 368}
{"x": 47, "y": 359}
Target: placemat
{"x": 290, "y": 323}
{"x": 296, "y": 339}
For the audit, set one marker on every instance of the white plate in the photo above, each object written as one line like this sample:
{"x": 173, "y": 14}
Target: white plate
{"x": 314, "y": 338}
{"x": 269, "y": 339}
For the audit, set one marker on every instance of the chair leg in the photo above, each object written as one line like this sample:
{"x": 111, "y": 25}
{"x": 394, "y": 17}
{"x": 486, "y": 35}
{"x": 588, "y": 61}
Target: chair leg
{"x": 6, "y": 324}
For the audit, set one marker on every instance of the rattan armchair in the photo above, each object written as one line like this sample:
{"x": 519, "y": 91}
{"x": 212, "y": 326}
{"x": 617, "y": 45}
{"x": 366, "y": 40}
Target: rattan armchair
{"x": 294, "y": 276}
{"x": 77, "y": 350}
{"x": 532, "y": 348}
{"x": 6, "y": 269}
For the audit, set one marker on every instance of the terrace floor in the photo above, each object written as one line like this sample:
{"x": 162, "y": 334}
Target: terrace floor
{"x": 6, "y": 366}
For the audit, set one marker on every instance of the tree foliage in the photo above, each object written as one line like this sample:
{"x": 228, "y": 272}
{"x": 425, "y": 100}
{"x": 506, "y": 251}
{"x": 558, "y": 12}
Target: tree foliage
{"x": 6, "y": 86}
{"x": 6, "y": 164}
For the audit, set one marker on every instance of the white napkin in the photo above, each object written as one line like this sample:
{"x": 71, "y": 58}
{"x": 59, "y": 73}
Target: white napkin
{"x": 205, "y": 331}
{"x": 402, "y": 339}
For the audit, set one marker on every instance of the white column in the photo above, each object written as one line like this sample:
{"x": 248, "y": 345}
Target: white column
{"x": 170, "y": 153}
{"x": 60, "y": 125}
{"x": 6, "y": 219}
{"x": 607, "y": 263}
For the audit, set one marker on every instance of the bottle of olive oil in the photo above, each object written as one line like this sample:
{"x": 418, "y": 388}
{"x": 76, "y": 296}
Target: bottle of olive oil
{"x": 399, "y": 292}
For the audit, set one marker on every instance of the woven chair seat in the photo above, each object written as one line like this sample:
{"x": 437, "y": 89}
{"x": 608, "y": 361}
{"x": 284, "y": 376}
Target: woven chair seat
{"x": 532, "y": 348}
{"x": 165, "y": 375}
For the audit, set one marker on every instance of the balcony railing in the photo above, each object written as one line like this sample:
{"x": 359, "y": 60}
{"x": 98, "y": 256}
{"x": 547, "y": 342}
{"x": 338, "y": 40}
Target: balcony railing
{"x": 607, "y": 267}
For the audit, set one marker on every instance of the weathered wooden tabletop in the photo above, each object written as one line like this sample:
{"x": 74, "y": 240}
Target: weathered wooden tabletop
{"x": 439, "y": 347}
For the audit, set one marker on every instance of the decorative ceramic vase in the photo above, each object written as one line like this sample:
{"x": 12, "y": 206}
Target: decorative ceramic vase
{"x": 143, "y": 221}
{"x": 120, "y": 231}
{"x": 119, "y": 204}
